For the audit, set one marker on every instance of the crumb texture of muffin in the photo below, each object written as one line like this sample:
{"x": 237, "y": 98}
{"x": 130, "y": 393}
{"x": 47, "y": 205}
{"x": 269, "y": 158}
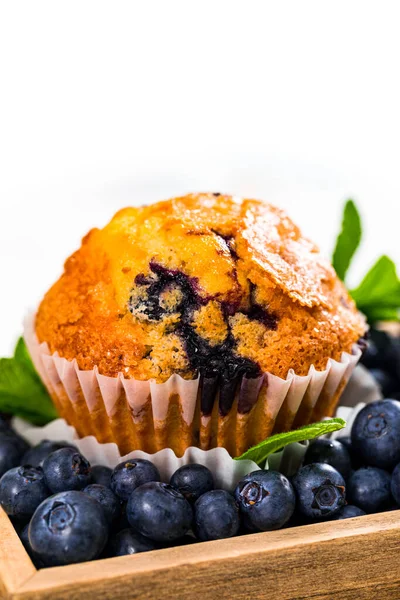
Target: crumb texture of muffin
{"x": 205, "y": 283}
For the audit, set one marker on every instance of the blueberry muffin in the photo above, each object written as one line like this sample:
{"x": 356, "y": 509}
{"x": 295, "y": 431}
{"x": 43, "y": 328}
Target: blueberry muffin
{"x": 210, "y": 287}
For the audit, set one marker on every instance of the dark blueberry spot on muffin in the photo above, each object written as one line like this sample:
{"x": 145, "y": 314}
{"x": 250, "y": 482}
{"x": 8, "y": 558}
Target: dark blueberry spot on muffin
{"x": 219, "y": 365}
{"x": 197, "y": 232}
{"x": 258, "y": 313}
{"x": 230, "y": 308}
{"x": 229, "y": 243}
{"x": 216, "y": 194}
{"x": 209, "y": 387}
{"x": 141, "y": 279}
{"x": 164, "y": 292}
{"x": 249, "y": 391}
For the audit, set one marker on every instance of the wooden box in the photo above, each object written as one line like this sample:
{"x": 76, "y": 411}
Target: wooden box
{"x": 350, "y": 559}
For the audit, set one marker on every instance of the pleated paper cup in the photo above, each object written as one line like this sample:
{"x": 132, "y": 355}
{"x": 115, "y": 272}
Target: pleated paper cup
{"x": 226, "y": 471}
{"x": 179, "y": 414}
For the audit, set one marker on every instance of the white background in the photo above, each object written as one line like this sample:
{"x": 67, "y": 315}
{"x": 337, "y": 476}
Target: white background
{"x": 105, "y": 104}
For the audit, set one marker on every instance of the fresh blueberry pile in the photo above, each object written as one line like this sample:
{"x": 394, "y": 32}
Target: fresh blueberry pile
{"x": 382, "y": 358}
{"x": 66, "y": 511}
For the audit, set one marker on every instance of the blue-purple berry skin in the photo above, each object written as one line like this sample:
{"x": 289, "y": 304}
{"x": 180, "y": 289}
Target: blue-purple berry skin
{"x": 101, "y": 475}
{"x": 24, "y": 537}
{"x": 12, "y": 449}
{"x": 192, "y": 481}
{"x": 130, "y": 474}
{"x": 395, "y": 484}
{"x": 158, "y": 511}
{"x": 66, "y": 469}
{"x": 216, "y": 516}
{"x": 4, "y": 426}
{"x": 387, "y": 383}
{"x": 375, "y": 434}
{"x": 22, "y": 489}
{"x": 320, "y": 491}
{"x": 129, "y": 541}
{"x": 369, "y": 488}
{"x": 331, "y": 452}
{"x": 122, "y": 520}
{"x": 108, "y": 500}
{"x": 348, "y": 512}
{"x": 69, "y": 527}
{"x": 38, "y": 454}
{"x": 266, "y": 500}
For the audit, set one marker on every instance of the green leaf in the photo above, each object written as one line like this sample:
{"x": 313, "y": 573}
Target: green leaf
{"x": 22, "y": 392}
{"x": 21, "y": 355}
{"x": 378, "y": 295}
{"x": 348, "y": 239}
{"x": 260, "y": 453}
{"x": 382, "y": 313}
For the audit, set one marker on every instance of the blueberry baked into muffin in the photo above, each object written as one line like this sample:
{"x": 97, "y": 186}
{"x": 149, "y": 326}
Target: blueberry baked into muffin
{"x": 215, "y": 289}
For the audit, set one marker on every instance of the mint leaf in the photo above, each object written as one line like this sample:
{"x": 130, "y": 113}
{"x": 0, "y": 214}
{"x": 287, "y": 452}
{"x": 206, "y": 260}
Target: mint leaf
{"x": 378, "y": 295}
{"x": 21, "y": 355}
{"x": 260, "y": 453}
{"x": 22, "y": 392}
{"x": 348, "y": 239}
{"x": 382, "y": 313}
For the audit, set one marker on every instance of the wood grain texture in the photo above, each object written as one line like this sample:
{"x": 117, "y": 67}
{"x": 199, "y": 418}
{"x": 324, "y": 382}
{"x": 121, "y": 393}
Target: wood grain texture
{"x": 15, "y": 565}
{"x": 354, "y": 559}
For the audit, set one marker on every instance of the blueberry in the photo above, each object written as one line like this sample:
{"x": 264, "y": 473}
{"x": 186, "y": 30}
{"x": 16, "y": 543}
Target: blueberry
{"x": 22, "y": 489}
{"x": 24, "y": 537}
{"x": 348, "y": 512}
{"x": 37, "y": 455}
{"x": 12, "y": 448}
{"x": 387, "y": 382}
{"x": 66, "y": 469}
{"x": 101, "y": 475}
{"x": 108, "y": 500}
{"x": 331, "y": 452}
{"x": 4, "y": 426}
{"x": 266, "y": 500}
{"x": 192, "y": 481}
{"x": 382, "y": 352}
{"x": 355, "y": 460}
{"x": 129, "y": 475}
{"x": 369, "y": 488}
{"x": 129, "y": 541}
{"x": 69, "y": 527}
{"x": 375, "y": 434}
{"x": 216, "y": 516}
{"x": 395, "y": 484}
{"x": 320, "y": 491}
{"x": 121, "y": 521}
{"x": 158, "y": 511}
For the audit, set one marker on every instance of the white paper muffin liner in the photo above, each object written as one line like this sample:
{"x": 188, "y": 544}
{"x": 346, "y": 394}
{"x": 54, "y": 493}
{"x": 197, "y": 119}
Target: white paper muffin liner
{"x": 226, "y": 471}
{"x": 137, "y": 414}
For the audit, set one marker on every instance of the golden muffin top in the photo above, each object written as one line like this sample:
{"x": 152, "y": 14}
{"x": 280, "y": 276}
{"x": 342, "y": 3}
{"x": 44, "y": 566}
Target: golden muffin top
{"x": 204, "y": 283}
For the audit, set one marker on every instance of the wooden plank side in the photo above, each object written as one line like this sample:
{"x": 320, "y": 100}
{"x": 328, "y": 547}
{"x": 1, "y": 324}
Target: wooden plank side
{"x": 342, "y": 559}
{"x": 15, "y": 565}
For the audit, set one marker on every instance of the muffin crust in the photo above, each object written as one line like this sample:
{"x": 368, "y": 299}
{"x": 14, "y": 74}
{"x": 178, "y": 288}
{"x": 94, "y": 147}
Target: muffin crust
{"x": 203, "y": 283}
